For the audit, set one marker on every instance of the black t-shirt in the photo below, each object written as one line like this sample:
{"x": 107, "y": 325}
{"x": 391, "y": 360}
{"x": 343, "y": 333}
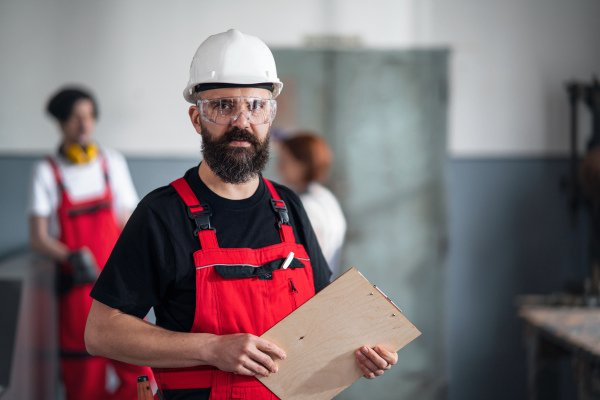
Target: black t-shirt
{"x": 152, "y": 263}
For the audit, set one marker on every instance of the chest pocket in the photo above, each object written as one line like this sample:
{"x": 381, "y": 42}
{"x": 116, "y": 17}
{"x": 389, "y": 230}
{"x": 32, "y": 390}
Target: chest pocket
{"x": 264, "y": 272}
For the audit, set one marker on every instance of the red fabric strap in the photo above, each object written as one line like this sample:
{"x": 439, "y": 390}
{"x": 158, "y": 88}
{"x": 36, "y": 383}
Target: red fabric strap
{"x": 208, "y": 237}
{"x": 285, "y": 231}
{"x": 56, "y": 172}
{"x": 272, "y": 190}
{"x": 186, "y": 193}
{"x": 183, "y": 378}
{"x": 197, "y": 378}
{"x": 104, "y": 167}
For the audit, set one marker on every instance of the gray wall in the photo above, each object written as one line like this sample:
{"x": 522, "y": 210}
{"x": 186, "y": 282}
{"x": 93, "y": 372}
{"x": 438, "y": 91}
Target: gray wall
{"x": 509, "y": 234}
{"x": 502, "y": 50}
{"x": 388, "y": 174}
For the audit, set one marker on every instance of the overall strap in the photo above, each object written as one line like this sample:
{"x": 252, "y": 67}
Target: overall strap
{"x": 283, "y": 220}
{"x": 57, "y": 174}
{"x": 200, "y": 213}
{"x": 104, "y": 164}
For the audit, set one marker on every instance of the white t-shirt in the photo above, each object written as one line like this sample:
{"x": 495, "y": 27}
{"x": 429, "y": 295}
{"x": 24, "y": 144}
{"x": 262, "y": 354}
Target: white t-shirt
{"x": 82, "y": 182}
{"x": 327, "y": 219}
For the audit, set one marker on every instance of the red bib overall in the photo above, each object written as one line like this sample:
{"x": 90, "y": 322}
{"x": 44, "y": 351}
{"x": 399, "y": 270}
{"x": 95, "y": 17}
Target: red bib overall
{"x": 239, "y": 290}
{"x": 91, "y": 224}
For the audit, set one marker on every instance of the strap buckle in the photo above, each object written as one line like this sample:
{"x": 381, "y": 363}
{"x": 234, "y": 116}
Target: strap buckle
{"x": 201, "y": 217}
{"x": 282, "y": 213}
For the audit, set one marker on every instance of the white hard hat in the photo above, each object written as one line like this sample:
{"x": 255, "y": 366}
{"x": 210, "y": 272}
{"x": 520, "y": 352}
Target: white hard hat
{"x": 232, "y": 57}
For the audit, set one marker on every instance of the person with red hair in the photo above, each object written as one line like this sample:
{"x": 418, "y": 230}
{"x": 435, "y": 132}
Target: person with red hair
{"x": 304, "y": 163}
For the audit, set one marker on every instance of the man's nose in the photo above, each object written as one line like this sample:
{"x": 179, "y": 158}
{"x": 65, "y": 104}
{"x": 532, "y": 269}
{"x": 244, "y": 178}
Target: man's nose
{"x": 242, "y": 119}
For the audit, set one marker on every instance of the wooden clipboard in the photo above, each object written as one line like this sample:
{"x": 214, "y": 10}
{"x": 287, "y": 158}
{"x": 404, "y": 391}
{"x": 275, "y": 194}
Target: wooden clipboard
{"x": 321, "y": 336}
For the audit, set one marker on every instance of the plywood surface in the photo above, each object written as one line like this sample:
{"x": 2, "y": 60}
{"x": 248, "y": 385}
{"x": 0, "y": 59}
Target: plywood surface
{"x": 321, "y": 336}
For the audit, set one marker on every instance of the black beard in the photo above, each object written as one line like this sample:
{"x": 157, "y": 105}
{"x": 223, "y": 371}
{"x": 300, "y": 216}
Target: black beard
{"x": 231, "y": 163}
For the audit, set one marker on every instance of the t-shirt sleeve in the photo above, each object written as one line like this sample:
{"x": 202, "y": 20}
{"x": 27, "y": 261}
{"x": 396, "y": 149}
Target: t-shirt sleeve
{"x": 126, "y": 197}
{"x": 135, "y": 276}
{"x": 321, "y": 271}
{"x": 317, "y": 220}
{"x": 42, "y": 191}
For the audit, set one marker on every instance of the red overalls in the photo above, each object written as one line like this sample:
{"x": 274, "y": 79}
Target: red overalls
{"x": 88, "y": 223}
{"x": 239, "y": 290}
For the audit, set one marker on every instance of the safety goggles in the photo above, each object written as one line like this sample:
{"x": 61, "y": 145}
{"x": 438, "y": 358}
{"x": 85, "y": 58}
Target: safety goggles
{"x": 226, "y": 110}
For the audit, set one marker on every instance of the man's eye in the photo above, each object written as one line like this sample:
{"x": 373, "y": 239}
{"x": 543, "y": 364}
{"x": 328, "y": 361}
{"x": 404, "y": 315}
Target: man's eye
{"x": 220, "y": 105}
{"x": 256, "y": 105}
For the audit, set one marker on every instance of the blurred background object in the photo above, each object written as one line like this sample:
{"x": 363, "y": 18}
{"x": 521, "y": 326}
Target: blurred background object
{"x": 563, "y": 328}
{"x": 81, "y": 197}
{"x": 304, "y": 161}
{"x": 585, "y": 176}
{"x": 384, "y": 114}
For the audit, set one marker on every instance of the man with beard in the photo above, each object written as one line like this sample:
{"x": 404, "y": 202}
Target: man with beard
{"x": 207, "y": 251}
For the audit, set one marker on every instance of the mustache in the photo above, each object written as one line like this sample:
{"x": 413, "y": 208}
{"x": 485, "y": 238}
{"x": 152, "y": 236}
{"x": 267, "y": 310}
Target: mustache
{"x": 237, "y": 134}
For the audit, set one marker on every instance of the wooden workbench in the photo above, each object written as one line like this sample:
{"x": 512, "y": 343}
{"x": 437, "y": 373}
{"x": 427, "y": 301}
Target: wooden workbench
{"x": 554, "y": 332}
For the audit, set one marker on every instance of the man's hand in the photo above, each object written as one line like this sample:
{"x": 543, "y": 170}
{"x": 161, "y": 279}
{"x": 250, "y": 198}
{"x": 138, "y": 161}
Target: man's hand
{"x": 111, "y": 333}
{"x": 374, "y": 362}
{"x": 85, "y": 270}
{"x": 245, "y": 354}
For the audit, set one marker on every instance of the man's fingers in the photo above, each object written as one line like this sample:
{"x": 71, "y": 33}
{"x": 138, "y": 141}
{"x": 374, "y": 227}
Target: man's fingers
{"x": 388, "y": 356}
{"x": 263, "y": 355}
{"x": 244, "y": 371}
{"x": 374, "y": 362}
{"x": 367, "y": 372}
{"x": 270, "y": 348}
{"x": 369, "y": 368}
{"x": 377, "y": 362}
{"x": 367, "y": 362}
{"x": 252, "y": 368}
{"x": 264, "y": 360}
{"x": 246, "y": 354}
{"x": 251, "y": 371}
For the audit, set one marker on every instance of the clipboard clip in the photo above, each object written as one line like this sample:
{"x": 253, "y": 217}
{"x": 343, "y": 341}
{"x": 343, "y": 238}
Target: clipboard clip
{"x": 388, "y": 299}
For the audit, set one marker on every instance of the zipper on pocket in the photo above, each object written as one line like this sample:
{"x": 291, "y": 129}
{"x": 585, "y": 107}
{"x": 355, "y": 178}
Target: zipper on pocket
{"x": 293, "y": 292}
{"x": 292, "y": 287}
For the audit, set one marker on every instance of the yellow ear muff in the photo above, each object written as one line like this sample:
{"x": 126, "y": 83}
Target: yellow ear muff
{"x": 91, "y": 151}
{"x": 81, "y": 155}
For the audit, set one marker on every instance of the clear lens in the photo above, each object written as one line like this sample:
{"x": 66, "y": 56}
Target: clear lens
{"x": 226, "y": 110}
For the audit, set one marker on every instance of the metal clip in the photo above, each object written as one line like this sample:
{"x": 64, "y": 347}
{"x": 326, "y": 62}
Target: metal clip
{"x": 388, "y": 299}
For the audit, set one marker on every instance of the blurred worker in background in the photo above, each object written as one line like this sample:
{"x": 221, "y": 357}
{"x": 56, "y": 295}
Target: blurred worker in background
{"x": 80, "y": 199}
{"x": 208, "y": 250}
{"x": 589, "y": 179}
{"x": 304, "y": 163}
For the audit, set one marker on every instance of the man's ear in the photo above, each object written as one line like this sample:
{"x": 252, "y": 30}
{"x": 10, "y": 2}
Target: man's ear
{"x": 194, "y": 113}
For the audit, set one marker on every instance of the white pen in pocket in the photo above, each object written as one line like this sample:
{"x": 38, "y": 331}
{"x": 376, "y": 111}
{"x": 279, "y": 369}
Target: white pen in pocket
{"x": 288, "y": 260}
